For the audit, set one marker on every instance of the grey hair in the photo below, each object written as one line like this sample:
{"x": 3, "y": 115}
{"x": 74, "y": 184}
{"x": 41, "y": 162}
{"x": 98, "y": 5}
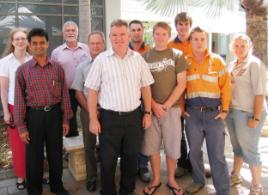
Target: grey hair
{"x": 243, "y": 37}
{"x": 69, "y": 23}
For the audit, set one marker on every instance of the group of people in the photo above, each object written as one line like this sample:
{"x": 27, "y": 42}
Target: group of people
{"x": 134, "y": 98}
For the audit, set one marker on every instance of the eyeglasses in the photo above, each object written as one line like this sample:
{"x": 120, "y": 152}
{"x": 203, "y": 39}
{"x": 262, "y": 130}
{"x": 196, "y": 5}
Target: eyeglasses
{"x": 20, "y": 39}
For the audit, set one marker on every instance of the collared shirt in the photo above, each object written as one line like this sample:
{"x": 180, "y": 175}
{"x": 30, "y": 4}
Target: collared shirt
{"x": 143, "y": 48}
{"x": 185, "y": 47}
{"x": 248, "y": 79}
{"x": 39, "y": 86}
{"x": 81, "y": 75}
{"x": 8, "y": 67}
{"x": 70, "y": 58}
{"x": 118, "y": 80}
{"x": 208, "y": 83}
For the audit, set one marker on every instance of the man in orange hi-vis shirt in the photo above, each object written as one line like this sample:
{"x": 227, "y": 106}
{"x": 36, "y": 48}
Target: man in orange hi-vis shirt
{"x": 208, "y": 95}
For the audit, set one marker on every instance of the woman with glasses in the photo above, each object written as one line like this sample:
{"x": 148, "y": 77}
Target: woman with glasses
{"x": 15, "y": 55}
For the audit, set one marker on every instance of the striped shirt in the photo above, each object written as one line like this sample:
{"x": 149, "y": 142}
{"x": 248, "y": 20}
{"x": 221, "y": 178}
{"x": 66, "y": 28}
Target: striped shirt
{"x": 38, "y": 86}
{"x": 118, "y": 80}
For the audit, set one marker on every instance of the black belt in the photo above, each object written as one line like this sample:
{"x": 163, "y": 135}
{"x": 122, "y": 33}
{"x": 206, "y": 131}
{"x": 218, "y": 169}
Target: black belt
{"x": 120, "y": 113}
{"x": 44, "y": 108}
{"x": 205, "y": 108}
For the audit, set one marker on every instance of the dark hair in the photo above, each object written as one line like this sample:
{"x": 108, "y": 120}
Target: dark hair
{"x": 135, "y": 22}
{"x": 37, "y": 32}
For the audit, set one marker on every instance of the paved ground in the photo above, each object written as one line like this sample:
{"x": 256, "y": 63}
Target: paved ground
{"x": 7, "y": 186}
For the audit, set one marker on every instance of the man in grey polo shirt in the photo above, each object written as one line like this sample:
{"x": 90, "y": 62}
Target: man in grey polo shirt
{"x": 96, "y": 45}
{"x": 117, "y": 80}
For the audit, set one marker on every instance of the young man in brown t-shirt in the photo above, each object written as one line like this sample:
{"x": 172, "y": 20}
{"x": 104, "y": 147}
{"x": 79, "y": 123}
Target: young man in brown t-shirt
{"x": 168, "y": 67}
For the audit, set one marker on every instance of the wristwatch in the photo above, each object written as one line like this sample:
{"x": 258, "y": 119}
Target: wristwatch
{"x": 147, "y": 112}
{"x": 256, "y": 119}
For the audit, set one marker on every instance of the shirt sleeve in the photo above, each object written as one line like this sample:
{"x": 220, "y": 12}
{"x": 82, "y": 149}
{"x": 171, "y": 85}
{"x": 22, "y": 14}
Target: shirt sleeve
{"x": 4, "y": 69}
{"x": 78, "y": 79}
{"x": 224, "y": 85}
{"x": 65, "y": 103}
{"x": 146, "y": 76}
{"x": 93, "y": 80}
{"x": 19, "y": 101}
{"x": 258, "y": 78}
{"x": 181, "y": 63}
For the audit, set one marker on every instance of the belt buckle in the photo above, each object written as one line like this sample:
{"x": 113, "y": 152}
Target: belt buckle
{"x": 47, "y": 108}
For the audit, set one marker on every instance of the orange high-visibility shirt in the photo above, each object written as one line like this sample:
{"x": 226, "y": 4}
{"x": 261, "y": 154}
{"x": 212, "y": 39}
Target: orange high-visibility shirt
{"x": 209, "y": 80}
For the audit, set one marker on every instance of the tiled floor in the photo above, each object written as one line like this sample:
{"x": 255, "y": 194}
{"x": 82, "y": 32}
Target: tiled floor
{"x": 7, "y": 187}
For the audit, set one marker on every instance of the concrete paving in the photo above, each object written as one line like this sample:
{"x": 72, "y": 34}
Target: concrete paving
{"x": 8, "y": 187}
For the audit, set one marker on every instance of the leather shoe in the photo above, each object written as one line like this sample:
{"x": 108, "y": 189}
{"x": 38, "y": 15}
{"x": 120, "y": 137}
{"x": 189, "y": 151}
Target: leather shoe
{"x": 144, "y": 175}
{"x": 91, "y": 186}
{"x": 63, "y": 192}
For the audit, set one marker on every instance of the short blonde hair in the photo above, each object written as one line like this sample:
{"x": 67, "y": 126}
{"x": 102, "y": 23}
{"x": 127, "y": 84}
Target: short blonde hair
{"x": 163, "y": 25}
{"x": 243, "y": 37}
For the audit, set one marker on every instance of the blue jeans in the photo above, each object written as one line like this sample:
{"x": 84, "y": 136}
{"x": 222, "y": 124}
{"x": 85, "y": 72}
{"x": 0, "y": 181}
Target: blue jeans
{"x": 202, "y": 126}
{"x": 245, "y": 140}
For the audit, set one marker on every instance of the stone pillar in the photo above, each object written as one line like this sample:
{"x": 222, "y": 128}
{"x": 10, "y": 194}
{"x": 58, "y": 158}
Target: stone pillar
{"x": 84, "y": 20}
{"x": 257, "y": 29}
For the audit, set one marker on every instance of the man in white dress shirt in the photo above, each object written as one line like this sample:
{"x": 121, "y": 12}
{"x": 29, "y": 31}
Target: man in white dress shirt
{"x": 116, "y": 81}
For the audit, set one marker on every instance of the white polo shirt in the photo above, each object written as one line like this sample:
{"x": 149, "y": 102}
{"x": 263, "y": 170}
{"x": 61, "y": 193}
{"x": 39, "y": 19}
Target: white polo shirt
{"x": 8, "y": 68}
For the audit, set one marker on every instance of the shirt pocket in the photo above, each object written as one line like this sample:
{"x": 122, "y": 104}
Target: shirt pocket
{"x": 55, "y": 88}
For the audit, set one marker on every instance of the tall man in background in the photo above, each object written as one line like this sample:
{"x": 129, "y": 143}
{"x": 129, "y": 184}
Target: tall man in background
{"x": 136, "y": 30}
{"x": 70, "y": 54}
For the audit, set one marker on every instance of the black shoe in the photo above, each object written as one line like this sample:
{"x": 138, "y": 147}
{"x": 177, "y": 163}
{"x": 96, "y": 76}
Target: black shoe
{"x": 64, "y": 192}
{"x": 144, "y": 175}
{"x": 72, "y": 134}
{"x": 91, "y": 186}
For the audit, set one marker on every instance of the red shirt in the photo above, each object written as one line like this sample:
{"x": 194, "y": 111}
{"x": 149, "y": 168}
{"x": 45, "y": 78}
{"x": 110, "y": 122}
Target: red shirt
{"x": 38, "y": 86}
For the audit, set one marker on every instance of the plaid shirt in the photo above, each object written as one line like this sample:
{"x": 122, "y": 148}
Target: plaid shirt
{"x": 39, "y": 86}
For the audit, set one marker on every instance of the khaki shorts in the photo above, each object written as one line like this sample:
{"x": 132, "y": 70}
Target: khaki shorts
{"x": 166, "y": 129}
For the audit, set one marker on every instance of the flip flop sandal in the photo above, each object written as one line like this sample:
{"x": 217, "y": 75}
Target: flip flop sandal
{"x": 21, "y": 185}
{"x": 175, "y": 190}
{"x": 154, "y": 188}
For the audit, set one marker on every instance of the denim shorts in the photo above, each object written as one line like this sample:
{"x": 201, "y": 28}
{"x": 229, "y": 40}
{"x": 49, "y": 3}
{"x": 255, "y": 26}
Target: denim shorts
{"x": 245, "y": 140}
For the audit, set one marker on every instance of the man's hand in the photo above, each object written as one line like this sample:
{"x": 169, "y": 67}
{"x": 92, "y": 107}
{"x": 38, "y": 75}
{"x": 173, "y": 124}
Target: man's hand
{"x": 221, "y": 115}
{"x": 146, "y": 121}
{"x": 159, "y": 110}
{"x": 65, "y": 128}
{"x": 252, "y": 123}
{"x": 25, "y": 137}
{"x": 94, "y": 126}
{"x": 185, "y": 114}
